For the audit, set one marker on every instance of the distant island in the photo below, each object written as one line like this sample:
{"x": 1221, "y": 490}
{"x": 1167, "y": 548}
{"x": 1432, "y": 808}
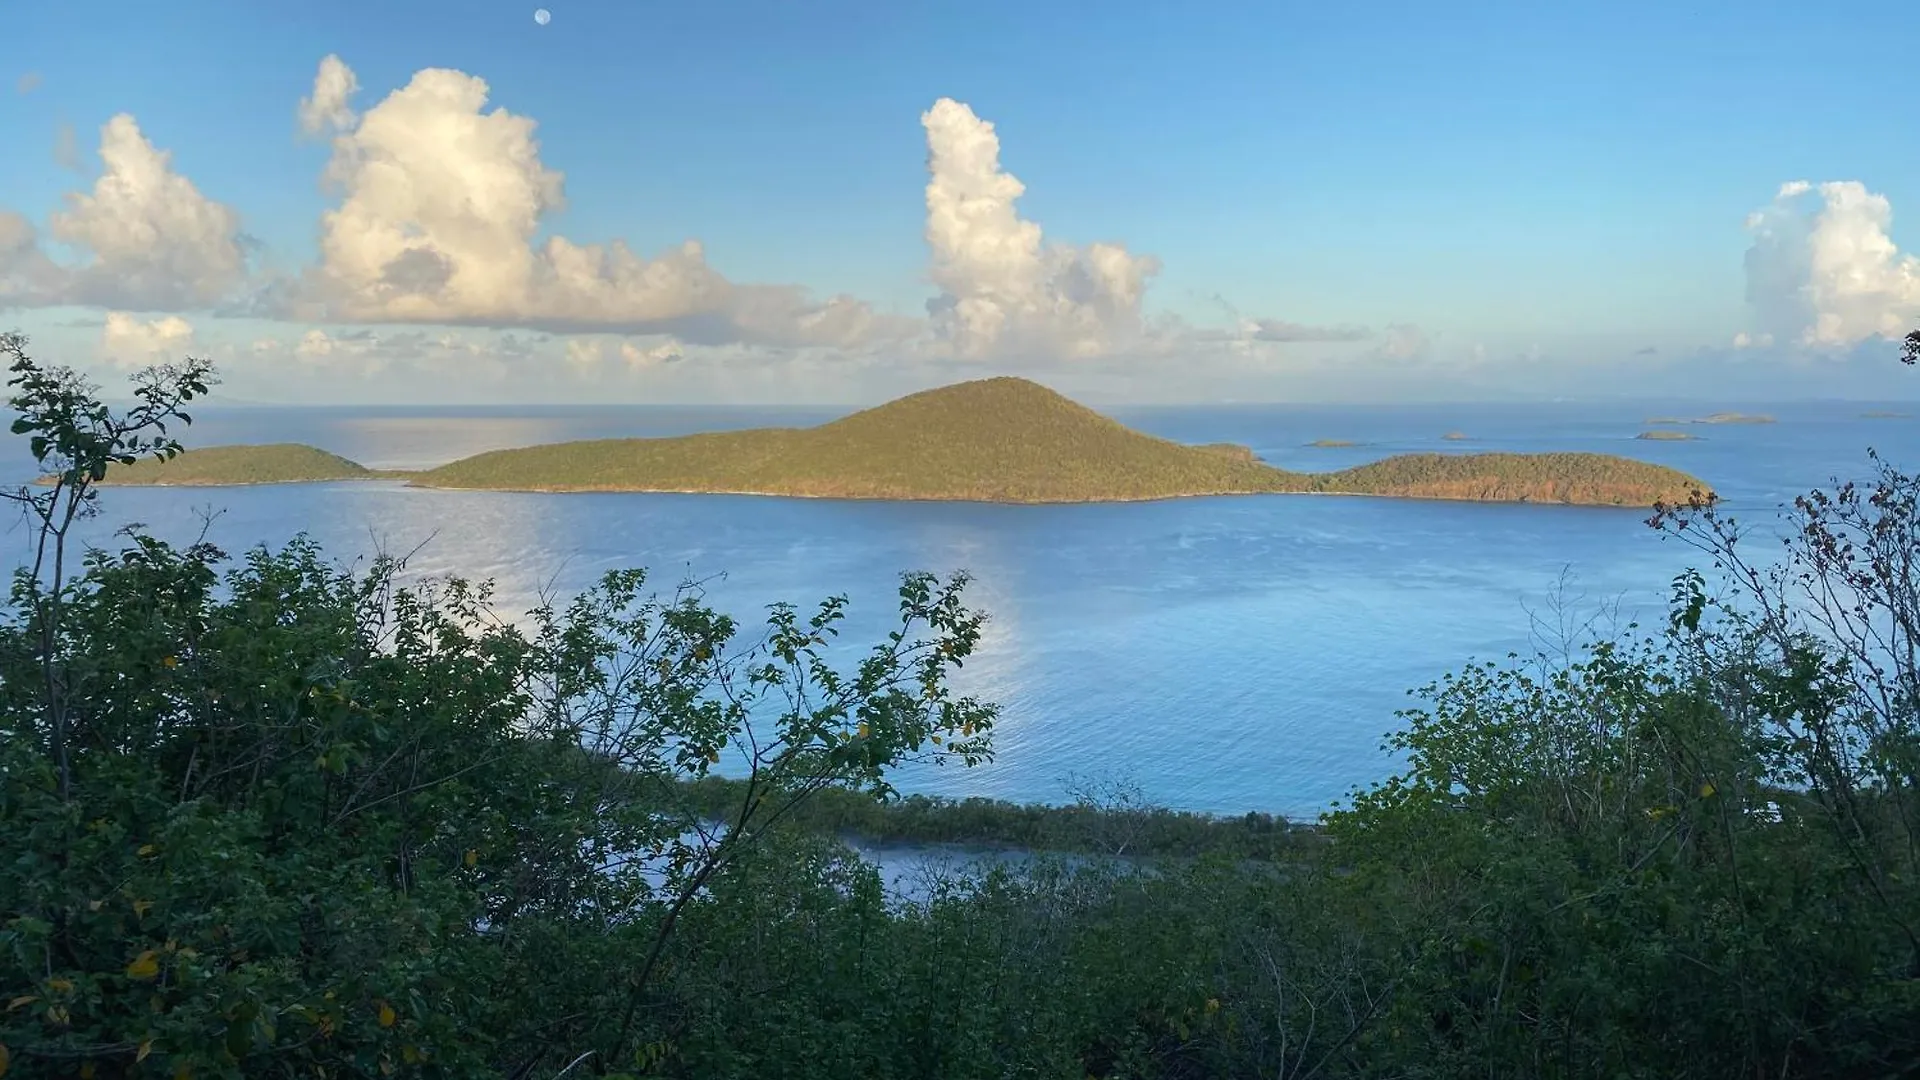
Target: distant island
{"x": 1661, "y": 435}
{"x": 1883, "y": 414}
{"x": 1455, "y": 436}
{"x": 1716, "y": 418}
{"x": 1332, "y": 444}
{"x": 1005, "y": 440}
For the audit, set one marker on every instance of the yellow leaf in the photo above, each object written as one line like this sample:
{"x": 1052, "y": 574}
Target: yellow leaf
{"x": 146, "y": 1047}
{"x": 140, "y": 907}
{"x": 171, "y": 661}
{"x": 863, "y": 730}
{"x": 93, "y": 905}
{"x": 5, "y": 1059}
{"x": 59, "y": 985}
{"x": 145, "y": 850}
{"x": 1706, "y": 789}
{"x": 714, "y": 757}
{"x": 472, "y": 857}
{"x": 23, "y": 999}
{"x": 936, "y": 740}
{"x": 1213, "y": 1005}
{"x": 387, "y": 1015}
{"x": 409, "y": 1055}
{"x": 57, "y": 1014}
{"x": 144, "y": 966}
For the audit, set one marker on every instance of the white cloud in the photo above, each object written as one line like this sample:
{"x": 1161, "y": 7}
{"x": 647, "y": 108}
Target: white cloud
{"x": 589, "y": 355}
{"x": 1403, "y": 341}
{"x": 635, "y": 356}
{"x": 1744, "y": 340}
{"x": 1003, "y": 291}
{"x": 154, "y": 241}
{"x": 1822, "y": 271}
{"x": 327, "y": 107}
{"x": 440, "y": 204}
{"x": 132, "y": 342}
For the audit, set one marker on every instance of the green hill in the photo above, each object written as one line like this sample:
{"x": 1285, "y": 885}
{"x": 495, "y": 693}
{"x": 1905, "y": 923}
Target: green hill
{"x": 993, "y": 440}
{"x": 1010, "y": 440}
{"x": 272, "y": 463}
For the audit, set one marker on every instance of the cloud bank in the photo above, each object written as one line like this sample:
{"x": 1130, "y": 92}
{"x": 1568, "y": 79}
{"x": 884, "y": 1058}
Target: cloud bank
{"x": 436, "y": 201}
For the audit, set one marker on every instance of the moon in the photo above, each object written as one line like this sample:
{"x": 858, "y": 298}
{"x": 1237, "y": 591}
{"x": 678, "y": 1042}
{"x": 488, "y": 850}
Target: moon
{"x": 542, "y": 16}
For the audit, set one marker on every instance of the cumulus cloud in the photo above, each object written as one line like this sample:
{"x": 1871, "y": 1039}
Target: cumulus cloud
{"x": 1744, "y": 340}
{"x": 440, "y": 203}
{"x": 590, "y": 354}
{"x": 1003, "y": 291}
{"x": 327, "y": 107}
{"x": 129, "y": 341}
{"x": 1822, "y": 271}
{"x": 154, "y": 241}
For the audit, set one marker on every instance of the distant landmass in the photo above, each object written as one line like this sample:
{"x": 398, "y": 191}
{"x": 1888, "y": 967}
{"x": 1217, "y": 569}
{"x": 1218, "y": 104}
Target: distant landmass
{"x": 224, "y": 466}
{"x": 1664, "y": 435}
{"x": 992, "y": 440}
{"x": 1455, "y": 436}
{"x": 1884, "y": 414}
{"x": 1332, "y": 444}
{"x": 1716, "y": 418}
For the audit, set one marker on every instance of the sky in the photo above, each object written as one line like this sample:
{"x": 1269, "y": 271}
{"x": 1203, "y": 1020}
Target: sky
{"x": 757, "y": 201}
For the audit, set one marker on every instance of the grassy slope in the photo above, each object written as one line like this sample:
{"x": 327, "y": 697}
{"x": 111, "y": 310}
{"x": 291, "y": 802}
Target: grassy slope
{"x": 1010, "y": 440}
{"x": 273, "y": 463}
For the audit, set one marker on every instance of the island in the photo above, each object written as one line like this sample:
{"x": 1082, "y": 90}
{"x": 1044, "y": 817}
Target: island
{"x": 1716, "y": 418}
{"x": 1885, "y": 414}
{"x": 1455, "y": 436}
{"x": 228, "y": 466}
{"x": 1332, "y": 444}
{"x": 1001, "y": 440}
{"x": 1661, "y": 435}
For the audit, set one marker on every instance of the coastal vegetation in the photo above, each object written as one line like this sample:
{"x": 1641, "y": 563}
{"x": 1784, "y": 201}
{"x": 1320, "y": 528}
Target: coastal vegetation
{"x": 267, "y": 816}
{"x": 991, "y": 440}
{"x": 271, "y": 463}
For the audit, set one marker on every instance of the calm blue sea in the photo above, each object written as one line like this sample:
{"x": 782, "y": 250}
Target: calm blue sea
{"x": 1225, "y": 654}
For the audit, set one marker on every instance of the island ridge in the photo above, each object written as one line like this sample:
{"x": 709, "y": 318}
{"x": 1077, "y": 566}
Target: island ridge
{"x": 1002, "y": 439}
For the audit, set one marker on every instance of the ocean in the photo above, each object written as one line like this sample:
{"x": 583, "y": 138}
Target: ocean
{"x": 1224, "y": 654}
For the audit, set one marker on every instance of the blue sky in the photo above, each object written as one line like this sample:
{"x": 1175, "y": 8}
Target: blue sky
{"x": 1545, "y": 183}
